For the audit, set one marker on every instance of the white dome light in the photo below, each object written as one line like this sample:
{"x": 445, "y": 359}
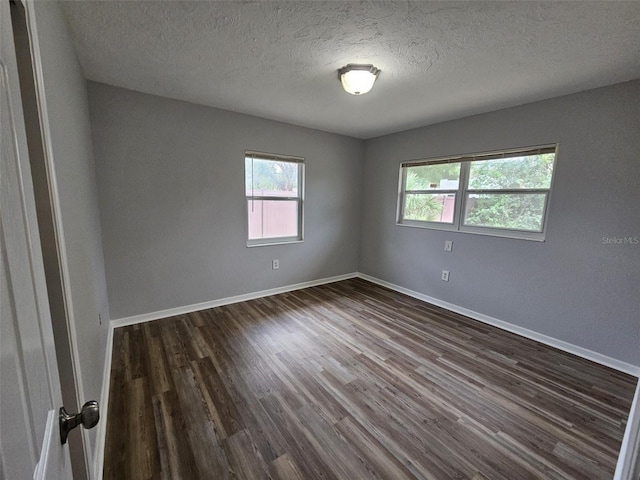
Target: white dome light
{"x": 358, "y": 79}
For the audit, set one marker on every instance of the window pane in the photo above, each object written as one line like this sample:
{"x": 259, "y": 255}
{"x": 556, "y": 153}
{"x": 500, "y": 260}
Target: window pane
{"x": 429, "y": 177}
{"x": 531, "y": 171}
{"x": 429, "y": 207}
{"x": 519, "y": 211}
{"x": 271, "y": 178}
{"x": 272, "y": 218}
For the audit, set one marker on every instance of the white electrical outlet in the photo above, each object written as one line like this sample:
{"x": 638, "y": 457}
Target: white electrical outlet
{"x": 275, "y": 264}
{"x": 445, "y": 275}
{"x": 448, "y": 245}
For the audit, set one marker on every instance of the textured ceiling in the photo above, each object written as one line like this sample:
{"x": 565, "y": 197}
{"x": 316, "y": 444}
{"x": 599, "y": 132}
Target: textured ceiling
{"x": 279, "y": 59}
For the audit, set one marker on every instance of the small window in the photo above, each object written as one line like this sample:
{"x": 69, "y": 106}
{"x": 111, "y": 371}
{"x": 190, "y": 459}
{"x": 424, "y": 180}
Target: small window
{"x": 500, "y": 193}
{"x": 430, "y": 192}
{"x": 274, "y": 187}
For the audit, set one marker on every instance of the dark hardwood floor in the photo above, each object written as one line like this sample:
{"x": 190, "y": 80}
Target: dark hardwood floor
{"x": 353, "y": 381}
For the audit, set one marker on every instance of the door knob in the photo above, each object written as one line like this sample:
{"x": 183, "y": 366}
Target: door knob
{"x": 88, "y": 417}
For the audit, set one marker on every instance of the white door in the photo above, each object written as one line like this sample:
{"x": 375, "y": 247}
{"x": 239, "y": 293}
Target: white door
{"x": 29, "y": 385}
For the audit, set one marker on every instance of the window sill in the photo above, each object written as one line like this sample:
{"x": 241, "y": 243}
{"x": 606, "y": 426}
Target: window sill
{"x": 486, "y": 231}
{"x": 266, "y": 243}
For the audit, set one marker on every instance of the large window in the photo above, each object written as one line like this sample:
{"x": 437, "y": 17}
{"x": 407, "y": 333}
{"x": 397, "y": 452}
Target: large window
{"x": 499, "y": 193}
{"x": 274, "y": 187}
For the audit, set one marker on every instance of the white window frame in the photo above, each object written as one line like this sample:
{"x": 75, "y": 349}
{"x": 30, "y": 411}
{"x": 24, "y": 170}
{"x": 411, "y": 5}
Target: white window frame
{"x": 299, "y": 161}
{"x": 463, "y": 191}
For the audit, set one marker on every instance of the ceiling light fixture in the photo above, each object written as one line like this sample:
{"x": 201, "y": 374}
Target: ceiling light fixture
{"x": 357, "y": 79}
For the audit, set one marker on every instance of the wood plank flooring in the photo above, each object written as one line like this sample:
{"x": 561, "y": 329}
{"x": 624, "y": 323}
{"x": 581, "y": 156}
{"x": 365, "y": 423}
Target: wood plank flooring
{"x": 353, "y": 381}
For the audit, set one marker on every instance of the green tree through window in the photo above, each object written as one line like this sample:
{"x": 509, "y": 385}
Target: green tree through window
{"x": 274, "y": 186}
{"x": 506, "y": 192}
{"x": 513, "y": 210}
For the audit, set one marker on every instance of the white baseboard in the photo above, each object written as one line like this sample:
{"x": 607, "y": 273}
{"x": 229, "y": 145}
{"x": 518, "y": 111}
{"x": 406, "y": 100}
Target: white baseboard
{"x": 101, "y": 434}
{"x": 524, "y": 332}
{"x": 146, "y": 317}
{"x": 631, "y": 439}
{"x": 628, "y": 456}
{"x": 98, "y": 462}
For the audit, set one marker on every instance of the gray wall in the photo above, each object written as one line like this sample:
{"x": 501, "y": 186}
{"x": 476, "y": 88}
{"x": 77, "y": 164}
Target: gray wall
{"x": 571, "y": 287}
{"x": 170, "y": 178}
{"x": 171, "y": 188}
{"x": 68, "y": 114}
